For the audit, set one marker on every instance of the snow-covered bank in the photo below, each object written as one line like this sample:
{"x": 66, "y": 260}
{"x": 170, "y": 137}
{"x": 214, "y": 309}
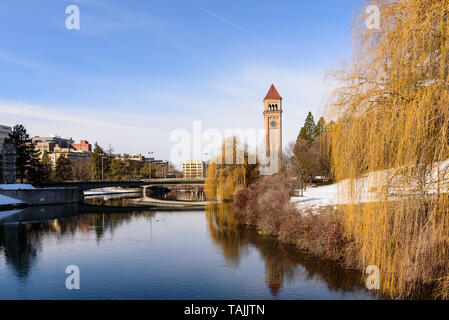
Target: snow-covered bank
{"x": 16, "y": 187}
{"x": 318, "y": 196}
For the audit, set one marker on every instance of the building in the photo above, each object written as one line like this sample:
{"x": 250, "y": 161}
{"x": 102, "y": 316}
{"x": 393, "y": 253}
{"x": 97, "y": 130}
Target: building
{"x": 193, "y": 169}
{"x": 52, "y": 141}
{"x": 162, "y": 167}
{"x": 132, "y": 157}
{"x": 56, "y": 146}
{"x": 70, "y": 153}
{"x": 84, "y": 146}
{"x": 4, "y": 131}
{"x": 273, "y": 123}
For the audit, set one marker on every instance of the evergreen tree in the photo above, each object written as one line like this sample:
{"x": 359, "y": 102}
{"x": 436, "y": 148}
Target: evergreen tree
{"x": 118, "y": 169}
{"x": 100, "y": 163}
{"x": 27, "y": 157}
{"x": 63, "y": 169}
{"x": 319, "y": 128}
{"x": 46, "y": 168}
{"x": 308, "y": 131}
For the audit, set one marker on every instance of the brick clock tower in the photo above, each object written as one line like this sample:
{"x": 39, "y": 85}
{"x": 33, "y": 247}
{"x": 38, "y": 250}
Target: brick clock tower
{"x": 273, "y": 121}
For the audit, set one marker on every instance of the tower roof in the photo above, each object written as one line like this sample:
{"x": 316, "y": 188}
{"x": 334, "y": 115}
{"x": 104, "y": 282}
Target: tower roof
{"x": 273, "y": 93}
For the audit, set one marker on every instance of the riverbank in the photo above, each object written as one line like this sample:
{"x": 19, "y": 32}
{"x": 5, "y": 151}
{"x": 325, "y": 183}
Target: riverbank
{"x": 303, "y": 222}
{"x": 322, "y": 231}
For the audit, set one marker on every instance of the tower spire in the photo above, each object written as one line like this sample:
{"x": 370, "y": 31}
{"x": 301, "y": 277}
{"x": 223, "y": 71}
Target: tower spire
{"x": 273, "y": 94}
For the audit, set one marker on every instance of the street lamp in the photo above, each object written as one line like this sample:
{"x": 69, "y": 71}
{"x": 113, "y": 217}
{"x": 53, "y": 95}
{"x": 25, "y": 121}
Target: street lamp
{"x": 149, "y": 165}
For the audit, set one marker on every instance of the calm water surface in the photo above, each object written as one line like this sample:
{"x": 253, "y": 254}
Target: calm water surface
{"x": 127, "y": 253}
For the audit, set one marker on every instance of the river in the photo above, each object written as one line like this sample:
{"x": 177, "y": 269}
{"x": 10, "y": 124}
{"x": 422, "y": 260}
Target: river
{"x": 125, "y": 252}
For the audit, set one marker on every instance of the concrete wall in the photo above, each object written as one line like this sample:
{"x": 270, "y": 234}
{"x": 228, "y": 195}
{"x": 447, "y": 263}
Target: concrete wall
{"x": 41, "y": 213}
{"x": 43, "y": 196}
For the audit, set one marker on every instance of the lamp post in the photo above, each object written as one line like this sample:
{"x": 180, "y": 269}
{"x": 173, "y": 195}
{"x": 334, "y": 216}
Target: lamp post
{"x": 102, "y": 167}
{"x": 149, "y": 165}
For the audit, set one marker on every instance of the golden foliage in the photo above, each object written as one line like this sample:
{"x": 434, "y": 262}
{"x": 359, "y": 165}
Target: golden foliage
{"x": 392, "y": 125}
{"x": 223, "y": 179}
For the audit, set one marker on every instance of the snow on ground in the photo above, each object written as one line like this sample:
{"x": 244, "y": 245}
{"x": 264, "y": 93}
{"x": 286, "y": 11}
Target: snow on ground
{"x": 5, "y": 201}
{"x": 315, "y": 197}
{"x": 16, "y": 187}
{"x": 318, "y": 196}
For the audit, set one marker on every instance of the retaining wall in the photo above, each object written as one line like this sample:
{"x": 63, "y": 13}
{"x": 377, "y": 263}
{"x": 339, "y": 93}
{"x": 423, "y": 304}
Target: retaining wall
{"x": 44, "y": 196}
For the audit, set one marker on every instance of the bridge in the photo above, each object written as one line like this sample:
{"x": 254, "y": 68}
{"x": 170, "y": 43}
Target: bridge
{"x": 89, "y": 185}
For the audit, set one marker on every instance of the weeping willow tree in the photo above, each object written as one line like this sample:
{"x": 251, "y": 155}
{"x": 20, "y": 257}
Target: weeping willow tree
{"x": 229, "y": 173}
{"x": 391, "y": 145}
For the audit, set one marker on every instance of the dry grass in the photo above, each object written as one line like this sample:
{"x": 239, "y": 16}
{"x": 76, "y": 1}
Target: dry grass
{"x": 392, "y": 117}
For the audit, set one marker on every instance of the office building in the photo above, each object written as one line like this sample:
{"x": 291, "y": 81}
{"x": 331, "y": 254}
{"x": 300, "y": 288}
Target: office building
{"x": 193, "y": 169}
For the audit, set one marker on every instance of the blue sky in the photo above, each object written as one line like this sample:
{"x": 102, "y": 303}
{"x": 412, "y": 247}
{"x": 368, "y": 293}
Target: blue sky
{"x": 136, "y": 70}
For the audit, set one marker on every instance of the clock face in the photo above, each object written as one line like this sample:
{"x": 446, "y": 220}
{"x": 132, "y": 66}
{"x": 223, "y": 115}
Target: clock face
{"x": 273, "y": 123}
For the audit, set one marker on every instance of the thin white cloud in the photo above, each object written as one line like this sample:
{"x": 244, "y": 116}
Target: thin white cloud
{"x": 53, "y": 115}
{"x": 231, "y": 101}
{"x": 234, "y": 26}
{"x": 19, "y": 61}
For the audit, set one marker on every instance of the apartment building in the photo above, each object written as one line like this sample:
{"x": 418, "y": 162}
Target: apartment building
{"x": 193, "y": 169}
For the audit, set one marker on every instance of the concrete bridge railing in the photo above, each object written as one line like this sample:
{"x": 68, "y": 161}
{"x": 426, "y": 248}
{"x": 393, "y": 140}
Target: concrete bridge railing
{"x": 89, "y": 185}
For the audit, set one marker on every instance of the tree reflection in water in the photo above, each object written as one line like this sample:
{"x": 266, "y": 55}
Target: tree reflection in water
{"x": 20, "y": 242}
{"x": 282, "y": 262}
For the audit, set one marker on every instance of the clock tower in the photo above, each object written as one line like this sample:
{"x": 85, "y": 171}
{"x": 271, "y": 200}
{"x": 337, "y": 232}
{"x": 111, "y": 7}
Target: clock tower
{"x": 273, "y": 123}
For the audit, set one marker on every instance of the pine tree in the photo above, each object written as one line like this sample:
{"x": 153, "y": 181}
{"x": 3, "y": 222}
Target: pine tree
{"x": 308, "y": 131}
{"x": 100, "y": 163}
{"x": 27, "y": 157}
{"x": 319, "y": 128}
{"x": 46, "y": 168}
{"x": 63, "y": 169}
{"x": 118, "y": 169}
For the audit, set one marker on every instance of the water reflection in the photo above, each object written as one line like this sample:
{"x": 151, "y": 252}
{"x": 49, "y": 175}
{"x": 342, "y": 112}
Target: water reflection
{"x": 283, "y": 263}
{"x": 192, "y": 195}
{"x": 19, "y": 249}
{"x": 21, "y": 233}
{"x": 113, "y": 200}
{"x": 27, "y": 236}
